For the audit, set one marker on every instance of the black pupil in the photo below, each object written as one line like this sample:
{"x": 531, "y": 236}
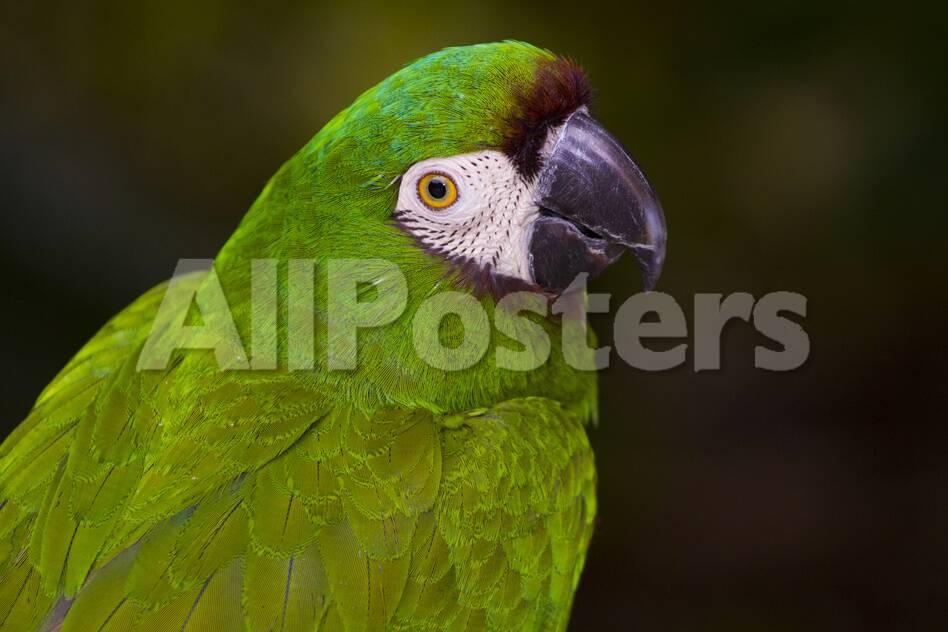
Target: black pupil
{"x": 437, "y": 189}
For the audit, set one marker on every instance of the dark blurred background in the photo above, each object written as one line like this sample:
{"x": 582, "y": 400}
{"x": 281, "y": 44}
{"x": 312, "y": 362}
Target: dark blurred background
{"x": 796, "y": 146}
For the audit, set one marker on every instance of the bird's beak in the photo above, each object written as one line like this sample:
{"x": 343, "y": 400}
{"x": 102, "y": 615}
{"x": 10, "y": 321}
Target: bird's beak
{"x": 595, "y": 203}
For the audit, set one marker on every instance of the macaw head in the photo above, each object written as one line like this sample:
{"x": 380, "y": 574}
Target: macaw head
{"x": 487, "y": 158}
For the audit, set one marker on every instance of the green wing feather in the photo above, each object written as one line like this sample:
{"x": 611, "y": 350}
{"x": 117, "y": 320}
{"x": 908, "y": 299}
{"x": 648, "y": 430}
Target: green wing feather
{"x": 132, "y": 500}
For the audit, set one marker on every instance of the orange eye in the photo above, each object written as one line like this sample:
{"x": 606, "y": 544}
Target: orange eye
{"x": 437, "y": 191}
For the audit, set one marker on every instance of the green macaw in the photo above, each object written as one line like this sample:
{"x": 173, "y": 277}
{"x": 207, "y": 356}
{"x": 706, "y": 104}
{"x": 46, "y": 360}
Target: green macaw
{"x": 392, "y": 495}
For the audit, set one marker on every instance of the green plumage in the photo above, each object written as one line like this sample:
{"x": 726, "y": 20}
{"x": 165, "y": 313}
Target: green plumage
{"x": 392, "y": 496}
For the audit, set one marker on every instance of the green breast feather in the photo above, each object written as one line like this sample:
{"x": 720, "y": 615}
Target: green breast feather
{"x": 132, "y": 503}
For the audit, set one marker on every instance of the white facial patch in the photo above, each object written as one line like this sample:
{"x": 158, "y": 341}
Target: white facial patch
{"x": 490, "y": 221}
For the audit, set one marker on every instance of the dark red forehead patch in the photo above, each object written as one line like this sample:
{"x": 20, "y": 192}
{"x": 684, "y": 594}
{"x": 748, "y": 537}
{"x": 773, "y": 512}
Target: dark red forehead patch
{"x": 560, "y": 87}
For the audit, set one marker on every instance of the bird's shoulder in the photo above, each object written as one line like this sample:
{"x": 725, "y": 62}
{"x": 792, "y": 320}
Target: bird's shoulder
{"x": 394, "y": 519}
